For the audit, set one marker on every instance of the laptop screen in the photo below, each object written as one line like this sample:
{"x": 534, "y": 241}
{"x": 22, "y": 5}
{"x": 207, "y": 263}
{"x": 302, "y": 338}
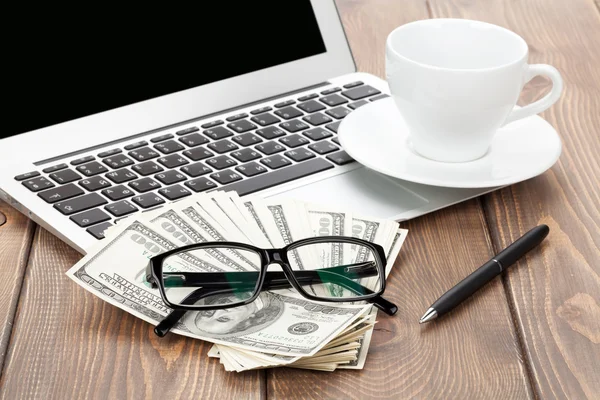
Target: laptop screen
{"x": 68, "y": 68}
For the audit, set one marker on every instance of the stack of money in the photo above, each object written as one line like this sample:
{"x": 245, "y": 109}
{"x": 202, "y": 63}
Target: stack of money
{"x": 280, "y": 328}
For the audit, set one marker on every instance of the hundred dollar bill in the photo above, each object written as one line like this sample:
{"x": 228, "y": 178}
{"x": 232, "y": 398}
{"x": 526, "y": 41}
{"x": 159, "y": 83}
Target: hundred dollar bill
{"x": 255, "y": 208}
{"x": 171, "y": 224}
{"x": 212, "y": 230}
{"x": 278, "y": 324}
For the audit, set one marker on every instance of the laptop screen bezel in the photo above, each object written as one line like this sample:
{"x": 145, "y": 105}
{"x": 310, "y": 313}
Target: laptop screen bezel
{"x": 202, "y": 100}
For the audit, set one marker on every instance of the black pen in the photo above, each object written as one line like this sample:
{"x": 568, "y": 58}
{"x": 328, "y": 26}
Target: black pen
{"x": 485, "y": 273}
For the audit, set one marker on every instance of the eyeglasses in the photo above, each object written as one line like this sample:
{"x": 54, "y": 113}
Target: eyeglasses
{"x": 219, "y": 275}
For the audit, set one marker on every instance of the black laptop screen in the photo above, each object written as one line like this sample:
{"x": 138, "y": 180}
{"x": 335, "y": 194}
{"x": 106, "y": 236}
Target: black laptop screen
{"x": 66, "y": 68}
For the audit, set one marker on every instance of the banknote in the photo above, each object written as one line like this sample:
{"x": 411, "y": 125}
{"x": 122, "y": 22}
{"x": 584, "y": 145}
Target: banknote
{"x": 280, "y": 328}
{"x": 275, "y": 323}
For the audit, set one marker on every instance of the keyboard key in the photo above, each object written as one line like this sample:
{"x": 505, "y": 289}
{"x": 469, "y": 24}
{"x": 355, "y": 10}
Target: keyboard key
{"x": 147, "y": 168}
{"x": 174, "y": 192}
{"x": 221, "y": 162}
{"x": 193, "y": 140}
{"x": 170, "y": 177}
{"x": 109, "y": 153}
{"x": 54, "y": 168}
{"x": 270, "y": 132}
{"x": 277, "y": 177}
{"x": 82, "y": 160}
{"x": 173, "y": 161}
{"x": 251, "y": 169}
{"x": 97, "y": 231}
{"x": 323, "y": 147}
{"x": 352, "y": 84}
{"x": 340, "y": 158}
{"x": 338, "y": 112}
{"x": 242, "y": 126}
{"x": 284, "y": 103}
{"x": 275, "y": 162}
{"x": 333, "y": 100}
{"x": 294, "y": 140}
{"x": 66, "y": 176}
{"x": 92, "y": 168}
{"x": 90, "y": 217}
{"x": 143, "y": 154}
{"x": 200, "y": 184}
{"x": 212, "y": 124}
{"x": 225, "y": 177}
{"x": 80, "y": 203}
{"x": 168, "y": 147}
{"x": 94, "y": 183}
{"x": 265, "y": 119}
{"x": 197, "y": 154}
{"x": 136, "y": 145}
{"x": 161, "y": 138}
{"x": 357, "y": 104}
{"x": 300, "y": 154}
{"x": 381, "y": 96}
{"x": 308, "y": 97}
{"x": 121, "y": 208}
{"x": 60, "y": 193}
{"x": 317, "y": 134}
{"x": 246, "y": 139}
{"x": 360, "y": 92}
{"x": 311, "y": 106}
{"x": 218, "y": 133}
{"x": 236, "y": 117}
{"x": 245, "y": 155}
{"x": 260, "y": 110}
{"x": 121, "y": 175}
{"x": 294, "y": 125}
{"x": 118, "y": 161}
{"x": 196, "y": 169}
{"x": 37, "y": 184}
{"x": 144, "y": 185}
{"x": 333, "y": 127}
{"x": 187, "y": 131}
{"x": 336, "y": 141}
{"x": 269, "y": 148}
{"x": 288, "y": 112}
{"x": 330, "y": 91}
{"x": 27, "y": 175}
{"x": 317, "y": 119}
{"x": 118, "y": 192}
{"x": 223, "y": 146}
{"x": 148, "y": 200}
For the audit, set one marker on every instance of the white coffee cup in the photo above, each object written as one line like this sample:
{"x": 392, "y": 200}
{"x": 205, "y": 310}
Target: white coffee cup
{"x": 457, "y": 81}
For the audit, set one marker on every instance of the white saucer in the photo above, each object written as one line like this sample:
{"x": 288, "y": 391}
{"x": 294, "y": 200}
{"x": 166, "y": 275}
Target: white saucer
{"x": 376, "y": 136}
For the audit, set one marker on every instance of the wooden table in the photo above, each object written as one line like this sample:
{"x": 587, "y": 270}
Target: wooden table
{"x": 534, "y": 333}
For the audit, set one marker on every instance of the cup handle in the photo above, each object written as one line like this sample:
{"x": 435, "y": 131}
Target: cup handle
{"x": 545, "y": 102}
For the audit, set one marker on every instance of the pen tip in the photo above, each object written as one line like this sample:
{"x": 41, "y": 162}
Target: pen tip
{"x": 429, "y": 315}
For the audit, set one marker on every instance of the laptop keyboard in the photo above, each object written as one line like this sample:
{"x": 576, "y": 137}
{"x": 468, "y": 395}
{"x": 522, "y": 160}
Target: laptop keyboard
{"x": 246, "y": 153}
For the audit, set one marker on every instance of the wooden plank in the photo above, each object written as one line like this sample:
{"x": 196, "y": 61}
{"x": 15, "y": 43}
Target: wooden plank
{"x": 556, "y": 289}
{"x": 69, "y": 344}
{"x": 15, "y": 242}
{"x": 471, "y": 353}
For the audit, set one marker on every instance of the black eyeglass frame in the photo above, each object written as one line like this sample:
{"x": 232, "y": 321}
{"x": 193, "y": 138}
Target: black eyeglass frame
{"x": 267, "y": 256}
{"x": 154, "y": 271}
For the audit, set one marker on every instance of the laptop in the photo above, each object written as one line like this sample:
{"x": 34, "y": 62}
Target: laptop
{"x": 131, "y": 112}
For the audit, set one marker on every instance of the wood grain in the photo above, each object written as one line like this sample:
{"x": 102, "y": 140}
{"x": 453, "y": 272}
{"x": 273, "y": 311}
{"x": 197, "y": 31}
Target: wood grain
{"x": 69, "y": 344}
{"x": 15, "y": 242}
{"x": 471, "y": 353}
{"x": 556, "y": 292}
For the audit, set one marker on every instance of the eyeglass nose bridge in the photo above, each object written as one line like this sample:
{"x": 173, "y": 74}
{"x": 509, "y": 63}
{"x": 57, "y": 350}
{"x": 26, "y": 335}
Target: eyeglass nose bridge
{"x": 277, "y": 256}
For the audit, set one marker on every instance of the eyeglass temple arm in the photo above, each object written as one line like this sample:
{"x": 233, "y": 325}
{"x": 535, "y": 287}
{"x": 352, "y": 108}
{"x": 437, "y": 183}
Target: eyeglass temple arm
{"x": 273, "y": 280}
